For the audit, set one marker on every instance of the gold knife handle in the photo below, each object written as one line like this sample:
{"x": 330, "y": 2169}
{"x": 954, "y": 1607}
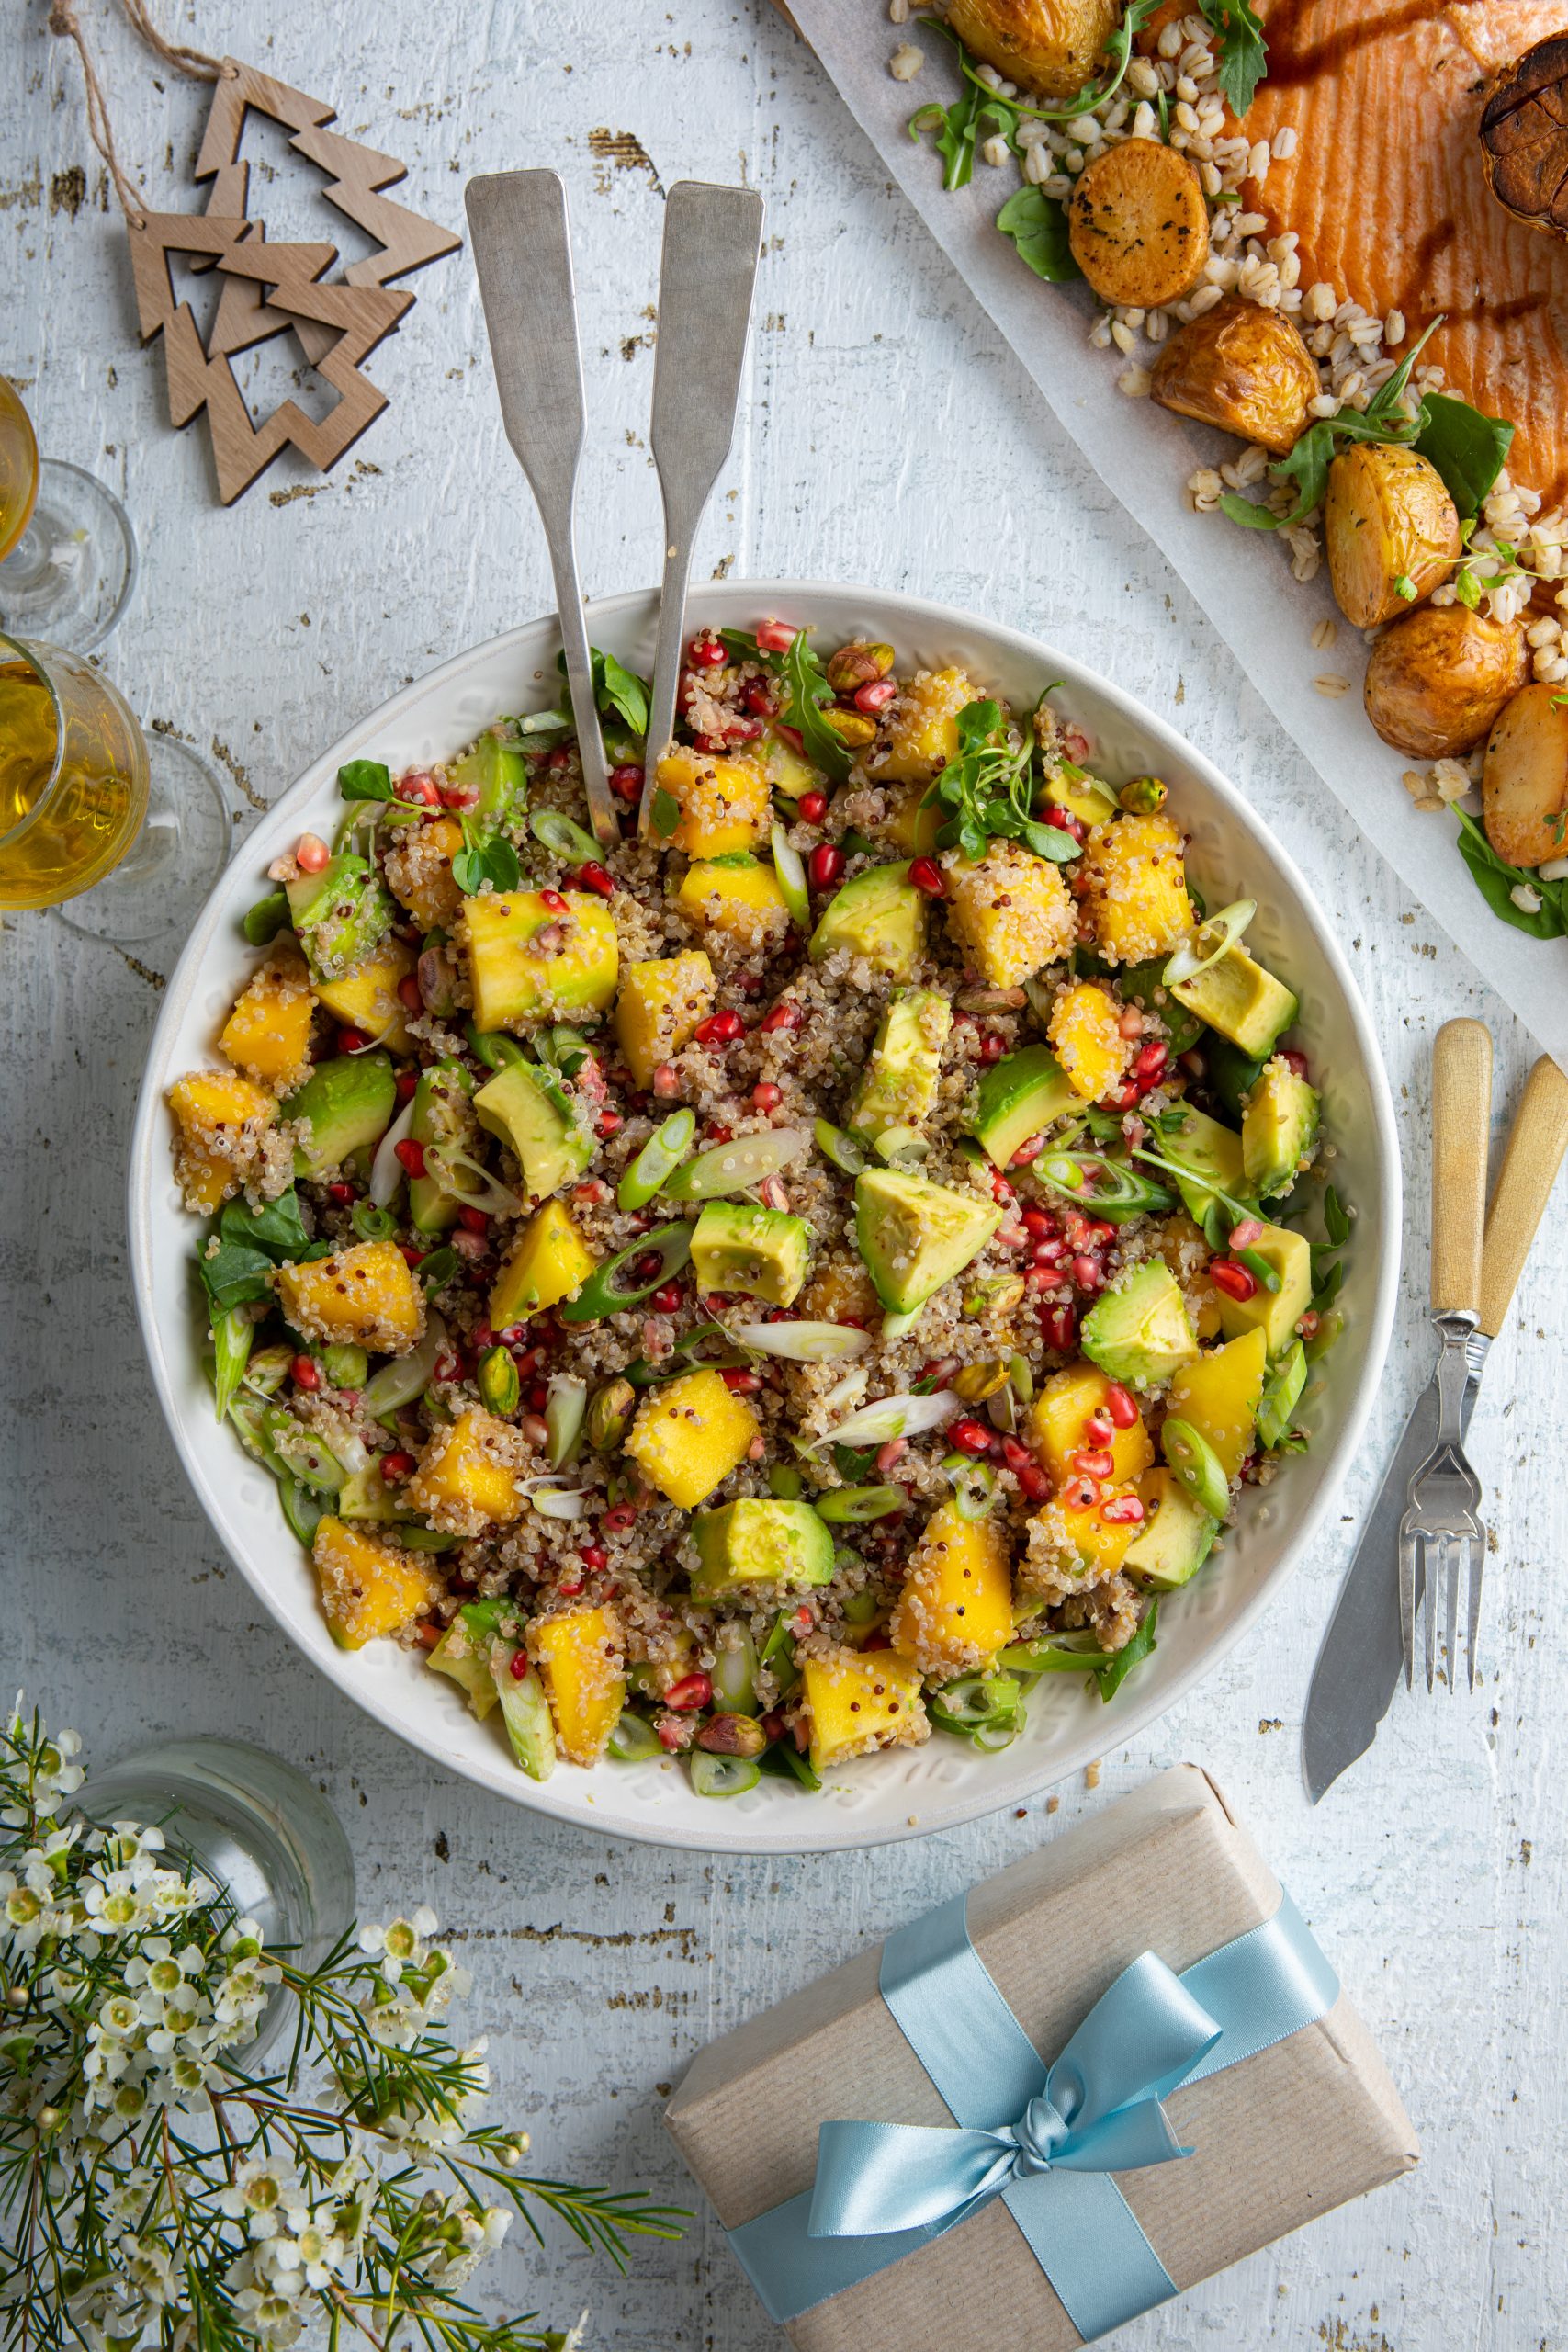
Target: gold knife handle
{"x": 1536, "y": 1146}
{"x": 1461, "y": 1114}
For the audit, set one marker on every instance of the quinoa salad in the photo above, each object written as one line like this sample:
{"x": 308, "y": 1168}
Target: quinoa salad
{"x": 787, "y": 1285}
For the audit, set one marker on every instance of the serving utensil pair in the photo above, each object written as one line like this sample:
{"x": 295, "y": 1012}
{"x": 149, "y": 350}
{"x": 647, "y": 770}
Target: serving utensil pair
{"x": 1424, "y": 1534}
{"x": 523, "y": 254}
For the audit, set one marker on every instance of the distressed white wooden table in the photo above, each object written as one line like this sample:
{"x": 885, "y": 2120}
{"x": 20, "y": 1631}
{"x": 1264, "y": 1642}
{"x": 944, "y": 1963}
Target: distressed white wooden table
{"x": 890, "y": 438}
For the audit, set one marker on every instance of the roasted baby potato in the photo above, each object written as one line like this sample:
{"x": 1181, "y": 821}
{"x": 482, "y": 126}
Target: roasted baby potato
{"x": 1138, "y": 225}
{"x": 1047, "y": 46}
{"x": 1245, "y": 369}
{"x": 1387, "y": 517}
{"x": 1524, "y": 792}
{"x": 1438, "y": 678}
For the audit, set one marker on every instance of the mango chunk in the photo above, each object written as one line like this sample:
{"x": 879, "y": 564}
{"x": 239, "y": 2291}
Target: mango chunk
{"x": 915, "y": 819}
{"x": 1085, "y": 1030}
{"x": 722, "y": 805}
{"x": 858, "y": 1701}
{"x": 690, "y": 1434}
{"x": 546, "y": 1264}
{"x": 580, "y": 1657}
{"x": 658, "y": 1006}
{"x": 368, "y": 1000}
{"x": 1012, "y": 911}
{"x": 529, "y": 962}
{"x": 1219, "y": 1393}
{"x": 220, "y": 1120}
{"x": 368, "y": 1589}
{"x": 742, "y": 903}
{"x": 956, "y": 1610}
{"x": 1137, "y": 889}
{"x": 1072, "y": 1548}
{"x": 923, "y": 731}
{"x": 419, "y": 872}
{"x": 267, "y": 1035}
{"x": 365, "y": 1294}
{"x": 1055, "y": 1425}
{"x": 466, "y": 1475}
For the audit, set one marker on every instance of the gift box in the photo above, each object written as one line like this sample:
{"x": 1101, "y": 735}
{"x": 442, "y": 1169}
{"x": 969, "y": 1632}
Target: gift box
{"x": 1126, "y": 2063}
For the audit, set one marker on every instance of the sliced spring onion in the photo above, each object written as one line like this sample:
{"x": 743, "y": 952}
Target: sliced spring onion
{"x": 370, "y": 1223}
{"x": 1106, "y": 1187}
{"x": 555, "y": 832}
{"x": 1041, "y": 1002}
{"x": 735, "y": 1167}
{"x": 1257, "y": 1265}
{"x": 891, "y": 1417}
{"x": 565, "y": 1409}
{"x": 784, "y": 1482}
{"x": 267, "y": 1369}
{"x": 735, "y": 1671}
{"x": 387, "y": 1168}
{"x": 897, "y": 1144}
{"x": 791, "y": 872}
{"x": 417, "y": 1537}
{"x": 973, "y": 1490}
{"x": 1023, "y": 1379}
{"x": 1056, "y": 1654}
{"x": 436, "y": 1269}
{"x": 1209, "y": 941}
{"x": 603, "y": 1296}
{"x": 493, "y": 1047}
{"x": 231, "y": 1337}
{"x": 849, "y": 1391}
{"x": 839, "y": 1147}
{"x": 803, "y": 1342}
{"x": 657, "y": 1161}
{"x": 634, "y": 1739}
{"x": 1001, "y": 1410}
{"x": 861, "y": 1608}
{"x": 898, "y": 1327}
{"x": 303, "y": 1510}
{"x": 992, "y": 1738}
{"x": 406, "y": 1377}
{"x": 458, "y": 1172}
{"x": 555, "y": 1502}
{"x": 302, "y": 1451}
{"x": 850, "y": 1505}
{"x": 975, "y": 1698}
{"x": 722, "y": 1776}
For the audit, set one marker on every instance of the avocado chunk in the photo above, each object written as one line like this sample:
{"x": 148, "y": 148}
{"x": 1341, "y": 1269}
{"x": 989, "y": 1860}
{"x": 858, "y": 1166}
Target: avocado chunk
{"x": 441, "y": 1116}
{"x": 528, "y": 1107}
{"x": 347, "y": 1102}
{"x": 761, "y": 1253}
{"x": 760, "y": 1543}
{"x": 1019, "y": 1097}
{"x": 1281, "y": 1393}
{"x": 1200, "y": 1143}
{"x": 1240, "y": 999}
{"x": 913, "y": 1235}
{"x": 462, "y": 1651}
{"x": 524, "y": 1710}
{"x": 898, "y": 1087}
{"x": 1275, "y": 1313}
{"x": 498, "y": 773}
{"x": 1139, "y": 1333}
{"x": 879, "y": 915}
{"x": 1279, "y": 1128}
{"x": 1232, "y": 1074}
{"x": 339, "y": 915}
{"x": 1175, "y": 1537}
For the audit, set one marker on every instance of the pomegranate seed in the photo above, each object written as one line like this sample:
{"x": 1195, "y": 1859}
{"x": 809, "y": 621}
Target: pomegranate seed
{"x": 665, "y": 1086}
{"x": 666, "y": 1300}
{"x": 342, "y": 1193}
{"x": 939, "y": 1371}
{"x": 692, "y": 1690}
{"x": 460, "y": 795}
{"x": 1031, "y": 1148}
{"x": 889, "y": 1456}
{"x": 1088, "y": 1273}
{"x": 407, "y": 1083}
{"x": 396, "y": 1467}
{"x": 1049, "y": 1253}
{"x": 408, "y": 993}
{"x": 419, "y": 788}
{"x": 1099, "y": 1430}
{"x": 310, "y": 853}
{"x": 570, "y": 1587}
{"x": 467, "y": 1245}
{"x": 538, "y": 1396}
{"x": 410, "y": 1155}
{"x": 782, "y": 1017}
{"x": 1294, "y": 1061}
{"x": 1121, "y": 1405}
{"x": 970, "y": 1437}
{"x": 412, "y": 1256}
{"x": 307, "y": 1371}
{"x": 825, "y": 864}
{"x": 1093, "y": 1463}
{"x": 875, "y": 696}
{"x": 473, "y": 1220}
{"x": 1015, "y": 1455}
{"x": 617, "y": 1518}
{"x": 1150, "y": 1062}
{"x": 811, "y": 807}
{"x": 1034, "y": 1482}
{"x": 706, "y": 653}
{"x": 766, "y": 1096}
{"x": 1131, "y": 1025}
{"x": 554, "y": 901}
{"x": 926, "y": 877}
{"x": 740, "y": 730}
{"x": 1193, "y": 1063}
{"x": 558, "y": 761}
{"x": 1097, "y": 1233}
{"x": 1000, "y": 1189}
{"x": 481, "y": 1337}
{"x": 1122, "y": 1510}
{"x": 1309, "y": 1322}
{"x": 758, "y": 700}
{"x": 1059, "y": 1328}
{"x": 743, "y": 1382}
{"x": 1080, "y": 1494}
{"x": 675, "y": 1732}
{"x": 719, "y": 1029}
{"x": 1238, "y": 1281}
{"x": 1244, "y": 1235}
{"x": 593, "y": 1555}
{"x": 518, "y": 1665}
{"x": 1065, "y": 822}
{"x": 352, "y": 1041}
{"x": 1122, "y": 1097}
{"x": 1041, "y": 1223}
{"x": 625, "y": 782}
{"x": 592, "y": 877}
{"x": 774, "y": 637}
{"x": 790, "y": 735}
{"x": 610, "y": 1123}
{"x": 991, "y": 1047}
{"x": 1042, "y": 1279}
{"x": 721, "y": 1134}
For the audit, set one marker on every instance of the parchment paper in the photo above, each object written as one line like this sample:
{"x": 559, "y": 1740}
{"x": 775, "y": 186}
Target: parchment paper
{"x": 1242, "y": 579}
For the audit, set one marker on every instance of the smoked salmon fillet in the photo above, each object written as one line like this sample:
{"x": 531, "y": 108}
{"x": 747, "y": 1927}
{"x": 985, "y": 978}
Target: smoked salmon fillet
{"x": 1387, "y": 192}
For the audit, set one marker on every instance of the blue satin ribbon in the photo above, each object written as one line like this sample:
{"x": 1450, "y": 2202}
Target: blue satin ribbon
{"x": 1045, "y": 2140}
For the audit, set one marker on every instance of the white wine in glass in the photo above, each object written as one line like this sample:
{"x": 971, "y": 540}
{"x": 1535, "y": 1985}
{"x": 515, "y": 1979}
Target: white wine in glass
{"x": 67, "y": 550}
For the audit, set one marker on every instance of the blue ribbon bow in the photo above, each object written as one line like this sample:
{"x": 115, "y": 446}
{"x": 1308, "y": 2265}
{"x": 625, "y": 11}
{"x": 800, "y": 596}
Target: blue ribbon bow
{"x": 1045, "y": 2140}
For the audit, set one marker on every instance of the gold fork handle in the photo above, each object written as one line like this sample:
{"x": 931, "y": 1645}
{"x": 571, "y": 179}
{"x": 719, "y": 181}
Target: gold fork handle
{"x": 1536, "y": 1146}
{"x": 1461, "y": 1113}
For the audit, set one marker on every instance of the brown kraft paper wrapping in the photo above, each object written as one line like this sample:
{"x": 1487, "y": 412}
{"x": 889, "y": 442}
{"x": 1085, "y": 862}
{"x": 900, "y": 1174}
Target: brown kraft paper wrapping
{"x": 1287, "y": 2134}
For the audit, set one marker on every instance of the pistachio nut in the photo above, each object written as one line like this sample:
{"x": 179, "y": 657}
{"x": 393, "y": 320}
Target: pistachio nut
{"x": 733, "y": 1735}
{"x": 610, "y": 1414}
{"x": 978, "y": 1381}
{"x": 858, "y": 664}
{"x": 1144, "y": 796}
{"x": 853, "y": 729}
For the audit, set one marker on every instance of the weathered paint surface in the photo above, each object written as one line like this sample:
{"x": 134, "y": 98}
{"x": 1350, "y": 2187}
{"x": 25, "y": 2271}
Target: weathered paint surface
{"x": 889, "y": 437}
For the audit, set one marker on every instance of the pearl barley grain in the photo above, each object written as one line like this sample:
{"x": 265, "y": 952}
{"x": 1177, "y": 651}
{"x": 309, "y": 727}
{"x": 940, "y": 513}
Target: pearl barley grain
{"x": 906, "y": 62}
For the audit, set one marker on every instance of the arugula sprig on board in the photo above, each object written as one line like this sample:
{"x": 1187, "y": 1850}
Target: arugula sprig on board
{"x": 1244, "y": 53}
{"x": 988, "y": 788}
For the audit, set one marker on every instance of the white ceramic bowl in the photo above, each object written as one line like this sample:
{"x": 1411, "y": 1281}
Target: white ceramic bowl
{"x": 910, "y": 1790}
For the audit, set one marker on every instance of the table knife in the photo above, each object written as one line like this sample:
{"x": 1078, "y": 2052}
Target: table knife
{"x": 1362, "y": 1655}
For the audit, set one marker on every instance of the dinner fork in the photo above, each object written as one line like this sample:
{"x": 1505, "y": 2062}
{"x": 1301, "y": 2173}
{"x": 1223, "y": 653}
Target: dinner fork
{"x": 1441, "y": 1534}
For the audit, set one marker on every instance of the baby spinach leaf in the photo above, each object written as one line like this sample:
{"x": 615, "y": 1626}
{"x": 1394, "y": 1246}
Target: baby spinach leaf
{"x": 665, "y": 813}
{"x": 1496, "y": 881}
{"x": 1038, "y": 227}
{"x": 493, "y": 861}
{"x": 436, "y": 1269}
{"x": 1111, "y": 1676}
{"x": 365, "y": 780}
{"x": 1469, "y": 451}
{"x": 234, "y": 1273}
{"x": 266, "y": 918}
{"x": 806, "y": 682}
{"x": 1335, "y": 1221}
{"x": 1244, "y": 53}
{"x": 278, "y": 1228}
{"x": 621, "y": 690}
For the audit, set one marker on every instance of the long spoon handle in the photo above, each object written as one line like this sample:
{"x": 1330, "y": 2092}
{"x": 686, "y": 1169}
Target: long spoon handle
{"x": 711, "y": 240}
{"x": 523, "y": 253}
{"x": 1462, "y": 1112}
{"x": 1535, "y": 1144}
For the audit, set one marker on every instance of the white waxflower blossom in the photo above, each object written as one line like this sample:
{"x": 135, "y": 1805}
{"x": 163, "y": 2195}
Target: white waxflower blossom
{"x": 258, "y": 2194}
